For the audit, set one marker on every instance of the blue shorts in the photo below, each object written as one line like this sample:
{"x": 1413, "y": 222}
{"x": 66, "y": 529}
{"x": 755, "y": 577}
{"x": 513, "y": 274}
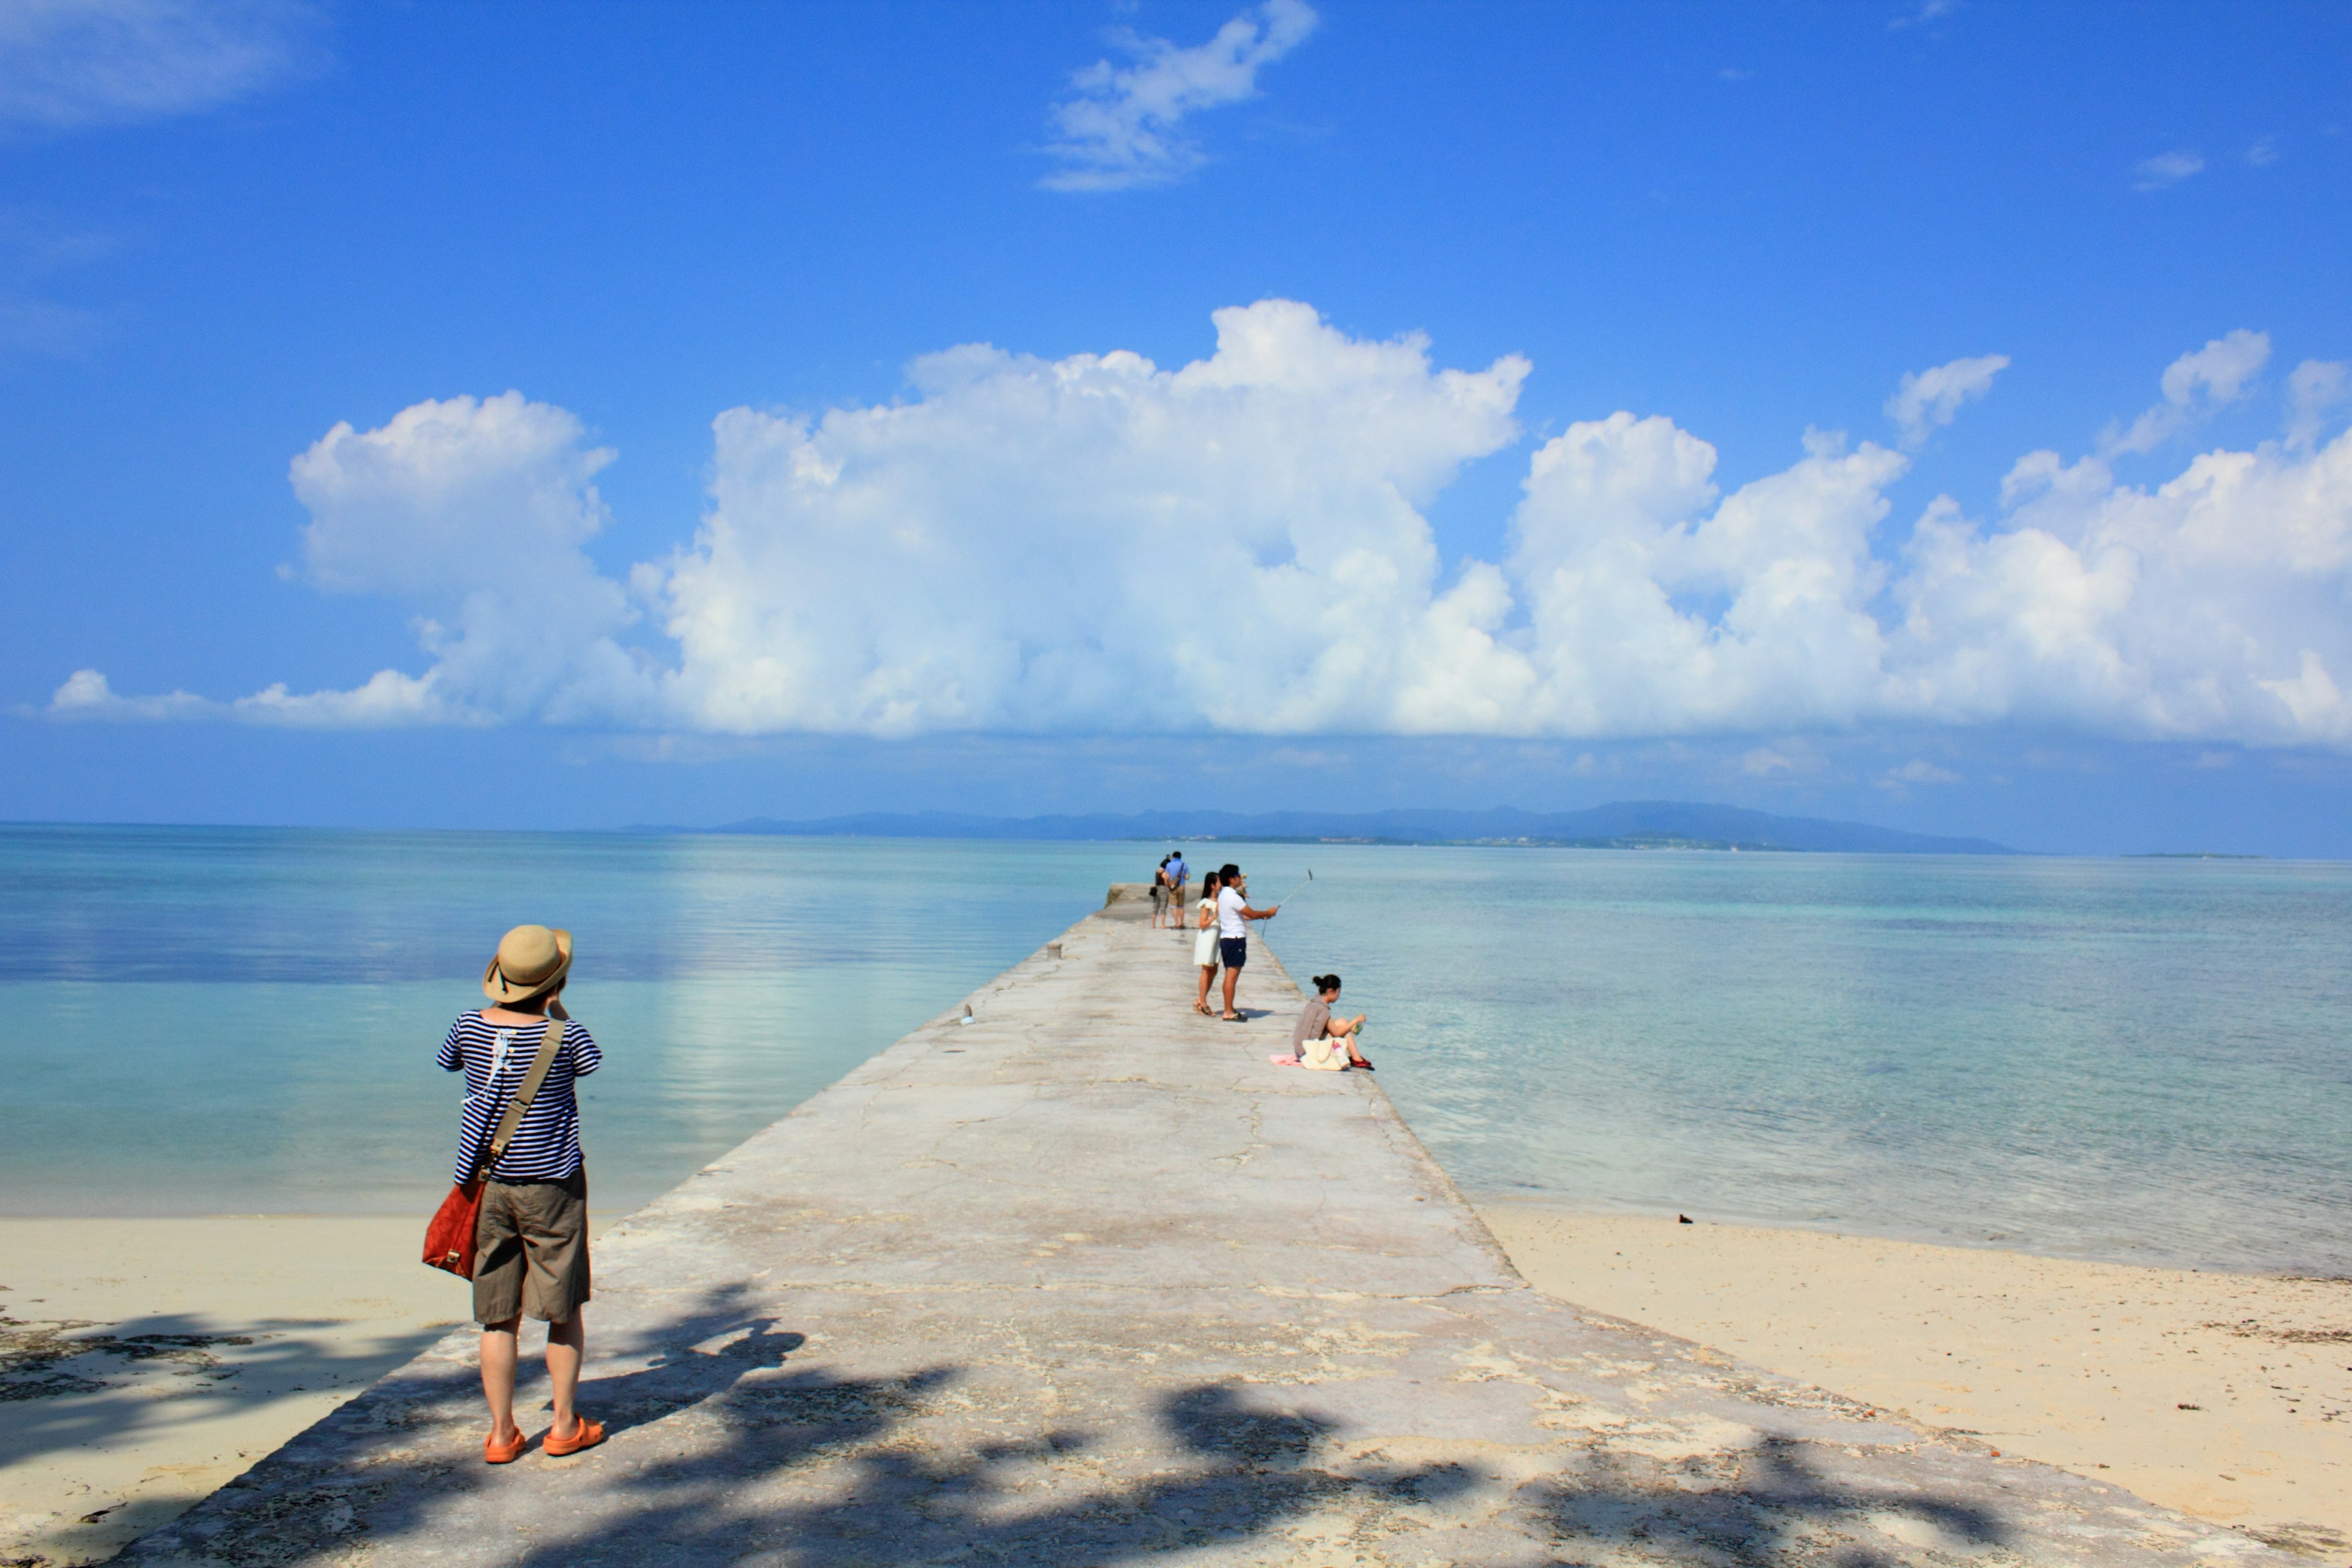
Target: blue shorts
{"x": 1234, "y": 951}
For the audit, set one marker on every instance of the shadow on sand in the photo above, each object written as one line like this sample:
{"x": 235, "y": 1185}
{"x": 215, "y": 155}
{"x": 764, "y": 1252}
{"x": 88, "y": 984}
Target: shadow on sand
{"x": 67, "y": 1385}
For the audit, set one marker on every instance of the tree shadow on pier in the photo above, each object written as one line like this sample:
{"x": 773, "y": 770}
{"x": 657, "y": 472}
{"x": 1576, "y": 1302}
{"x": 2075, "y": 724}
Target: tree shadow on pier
{"x": 723, "y": 1452}
{"x": 1770, "y": 1513}
{"x": 1240, "y": 1473}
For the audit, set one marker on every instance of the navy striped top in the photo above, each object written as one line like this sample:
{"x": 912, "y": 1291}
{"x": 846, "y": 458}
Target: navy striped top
{"x": 495, "y": 1058}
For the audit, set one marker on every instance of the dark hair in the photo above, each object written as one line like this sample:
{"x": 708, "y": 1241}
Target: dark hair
{"x": 1207, "y": 878}
{"x": 1326, "y": 983}
{"x": 1228, "y": 871}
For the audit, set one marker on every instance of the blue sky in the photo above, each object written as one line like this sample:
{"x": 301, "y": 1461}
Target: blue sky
{"x": 759, "y": 532}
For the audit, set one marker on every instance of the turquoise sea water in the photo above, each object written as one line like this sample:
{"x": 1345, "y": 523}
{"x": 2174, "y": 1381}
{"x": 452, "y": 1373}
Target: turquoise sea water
{"x": 2142, "y": 1060}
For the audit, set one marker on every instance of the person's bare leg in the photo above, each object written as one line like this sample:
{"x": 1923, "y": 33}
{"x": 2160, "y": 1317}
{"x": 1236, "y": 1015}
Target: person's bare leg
{"x": 499, "y": 1378}
{"x": 566, "y": 1343}
{"x": 1208, "y": 973}
{"x": 1233, "y": 978}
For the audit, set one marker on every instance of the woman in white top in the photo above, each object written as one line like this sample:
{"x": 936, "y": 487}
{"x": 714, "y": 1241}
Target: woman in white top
{"x": 1205, "y": 945}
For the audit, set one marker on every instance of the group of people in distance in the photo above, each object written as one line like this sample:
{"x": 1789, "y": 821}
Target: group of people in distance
{"x": 1221, "y": 940}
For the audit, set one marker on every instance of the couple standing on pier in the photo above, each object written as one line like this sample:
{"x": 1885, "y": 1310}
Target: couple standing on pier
{"x": 1224, "y": 940}
{"x": 1168, "y": 885}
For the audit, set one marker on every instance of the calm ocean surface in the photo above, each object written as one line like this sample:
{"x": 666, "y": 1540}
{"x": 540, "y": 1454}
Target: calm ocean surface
{"x": 2141, "y": 1060}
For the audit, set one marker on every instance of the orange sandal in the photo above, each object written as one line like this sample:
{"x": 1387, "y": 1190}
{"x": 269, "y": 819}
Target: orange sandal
{"x": 495, "y": 1454}
{"x": 585, "y": 1434}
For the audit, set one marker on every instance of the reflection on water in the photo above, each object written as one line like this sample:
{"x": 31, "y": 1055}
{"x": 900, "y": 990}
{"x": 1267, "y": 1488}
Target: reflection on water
{"x": 2135, "y": 1060}
{"x": 2132, "y": 1059}
{"x": 200, "y": 1021}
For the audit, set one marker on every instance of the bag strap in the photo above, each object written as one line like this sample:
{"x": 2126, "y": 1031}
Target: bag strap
{"x": 557, "y": 1027}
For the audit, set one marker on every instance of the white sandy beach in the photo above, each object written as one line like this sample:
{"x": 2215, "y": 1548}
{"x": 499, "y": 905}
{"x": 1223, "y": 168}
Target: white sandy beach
{"x": 2224, "y": 1395}
{"x": 210, "y": 1341}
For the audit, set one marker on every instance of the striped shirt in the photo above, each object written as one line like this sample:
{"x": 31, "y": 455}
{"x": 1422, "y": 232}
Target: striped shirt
{"x": 495, "y": 1058}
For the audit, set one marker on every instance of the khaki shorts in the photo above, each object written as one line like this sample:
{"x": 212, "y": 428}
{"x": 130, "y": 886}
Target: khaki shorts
{"x": 531, "y": 1250}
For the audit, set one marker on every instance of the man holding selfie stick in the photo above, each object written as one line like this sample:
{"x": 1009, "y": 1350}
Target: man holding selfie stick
{"x": 1233, "y": 915}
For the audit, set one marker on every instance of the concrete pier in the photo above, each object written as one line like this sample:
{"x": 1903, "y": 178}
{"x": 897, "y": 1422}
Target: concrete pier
{"x": 1085, "y": 1280}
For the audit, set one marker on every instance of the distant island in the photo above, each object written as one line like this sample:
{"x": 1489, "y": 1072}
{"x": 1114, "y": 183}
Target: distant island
{"x": 1622, "y": 825}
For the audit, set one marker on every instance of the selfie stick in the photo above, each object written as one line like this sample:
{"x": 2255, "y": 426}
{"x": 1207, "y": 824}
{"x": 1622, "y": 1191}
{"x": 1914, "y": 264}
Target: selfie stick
{"x": 1295, "y": 891}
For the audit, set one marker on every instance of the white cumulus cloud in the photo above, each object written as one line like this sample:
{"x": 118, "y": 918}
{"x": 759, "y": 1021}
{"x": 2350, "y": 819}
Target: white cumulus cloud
{"x": 2210, "y": 607}
{"x": 1040, "y": 538}
{"x": 474, "y": 513}
{"x": 70, "y": 64}
{"x": 2316, "y": 389}
{"x": 1656, "y": 605}
{"x": 1240, "y": 544}
{"x": 1925, "y": 401}
{"x": 86, "y": 694}
{"x": 2193, "y": 386}
{"x": 1120, "y": 126}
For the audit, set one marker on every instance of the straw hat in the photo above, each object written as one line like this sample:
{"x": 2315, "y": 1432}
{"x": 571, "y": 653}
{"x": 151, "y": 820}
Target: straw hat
{"x": 531, "y": 960}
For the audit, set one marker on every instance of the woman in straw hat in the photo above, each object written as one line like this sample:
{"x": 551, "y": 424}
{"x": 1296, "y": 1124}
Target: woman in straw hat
{"x": 531, "y": 1241}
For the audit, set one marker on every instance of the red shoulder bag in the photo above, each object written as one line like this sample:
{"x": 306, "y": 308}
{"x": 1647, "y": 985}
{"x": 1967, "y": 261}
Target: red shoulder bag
{"x": 449, "y": 1237}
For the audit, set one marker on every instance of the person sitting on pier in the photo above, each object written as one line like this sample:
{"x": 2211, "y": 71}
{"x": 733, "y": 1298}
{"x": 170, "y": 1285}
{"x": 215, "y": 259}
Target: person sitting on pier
{"x": 1321, "y": 1041}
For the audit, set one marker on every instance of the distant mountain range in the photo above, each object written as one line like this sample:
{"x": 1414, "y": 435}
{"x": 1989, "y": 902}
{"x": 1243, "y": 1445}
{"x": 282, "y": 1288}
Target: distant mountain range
{"x": 1624, "y": 825}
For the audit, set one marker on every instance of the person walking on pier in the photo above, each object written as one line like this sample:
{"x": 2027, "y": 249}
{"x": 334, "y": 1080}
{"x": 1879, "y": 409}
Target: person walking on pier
{"x": 1233, "y": 915}
{"x": 1205, "y": 945}
{"x": 1180, "y": 883}
{"x": 531, "y": 1236}
{"x": 1159, "y": 893}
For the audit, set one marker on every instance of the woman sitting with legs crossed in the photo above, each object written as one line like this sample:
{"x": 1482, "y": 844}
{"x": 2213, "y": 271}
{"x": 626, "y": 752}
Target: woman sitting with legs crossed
{"x": 1319, "y": 1037}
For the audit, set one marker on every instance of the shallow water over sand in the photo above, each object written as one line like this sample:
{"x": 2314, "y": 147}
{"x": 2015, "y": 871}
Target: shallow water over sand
{"x": 2132, "y": 1059}
{"x": 2142, "y": 1060}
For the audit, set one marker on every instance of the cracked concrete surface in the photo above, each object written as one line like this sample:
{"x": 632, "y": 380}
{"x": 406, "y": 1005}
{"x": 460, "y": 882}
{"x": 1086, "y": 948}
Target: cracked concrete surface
{"x": 1086, "y": 1281}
